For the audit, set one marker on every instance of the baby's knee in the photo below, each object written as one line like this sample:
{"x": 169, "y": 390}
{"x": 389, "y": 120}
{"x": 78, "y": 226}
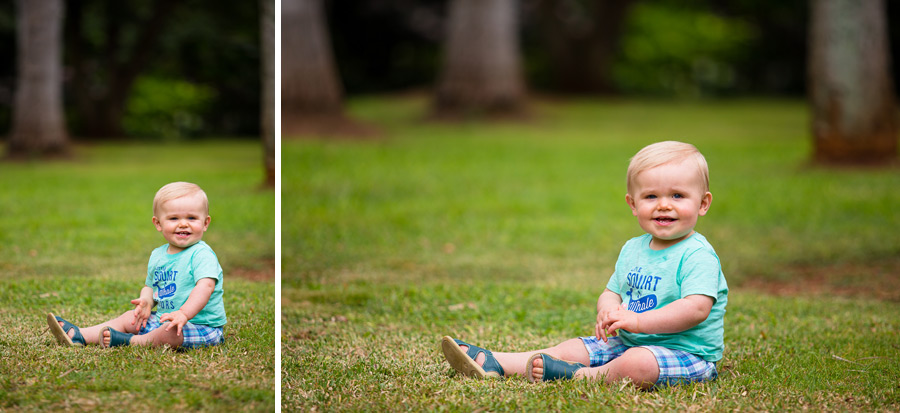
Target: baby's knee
{"x": 639, "y": 365}
{"x": 571, "y": 350}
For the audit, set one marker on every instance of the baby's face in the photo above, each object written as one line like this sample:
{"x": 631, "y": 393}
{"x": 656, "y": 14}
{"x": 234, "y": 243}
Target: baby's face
{"x": 182, "y": 222}
{"x": 667, "y": 201}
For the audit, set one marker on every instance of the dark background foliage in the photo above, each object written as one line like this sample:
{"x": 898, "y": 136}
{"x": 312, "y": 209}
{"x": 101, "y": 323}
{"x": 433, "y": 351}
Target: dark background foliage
{"x": 202, "y": 75}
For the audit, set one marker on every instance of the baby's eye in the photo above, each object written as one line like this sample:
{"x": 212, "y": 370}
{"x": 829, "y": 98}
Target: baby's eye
{"x": 677, "y": 196}
{"x": 651, "y": 196}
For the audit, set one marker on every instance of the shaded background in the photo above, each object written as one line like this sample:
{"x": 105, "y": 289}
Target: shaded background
{"x": 670, "y": 48}
{"x": 198, "y": 74}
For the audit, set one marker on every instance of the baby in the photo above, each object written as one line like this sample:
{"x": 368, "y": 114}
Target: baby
{"x": 184, "y": 283}
{"x": 660, "y": 320}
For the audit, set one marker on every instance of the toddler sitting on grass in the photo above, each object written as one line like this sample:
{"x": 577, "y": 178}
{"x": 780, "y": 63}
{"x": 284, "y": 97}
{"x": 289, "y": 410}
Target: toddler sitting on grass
{"x": 184, "y": 283}
{"x": 660, "y": 320}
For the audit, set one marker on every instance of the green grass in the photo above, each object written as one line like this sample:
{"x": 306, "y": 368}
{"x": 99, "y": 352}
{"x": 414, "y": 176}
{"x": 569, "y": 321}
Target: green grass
{"x": 504, "y": 234}
{"x": 75, "y": 237}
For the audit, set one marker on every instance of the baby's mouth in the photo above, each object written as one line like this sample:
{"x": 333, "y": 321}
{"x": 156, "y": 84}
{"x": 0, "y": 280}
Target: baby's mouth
{"x": 665, "y": 220}
{"x": 183, "y": 234}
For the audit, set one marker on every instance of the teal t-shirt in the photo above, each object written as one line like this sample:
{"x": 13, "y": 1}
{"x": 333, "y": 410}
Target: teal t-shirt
{"x": 647, "y": 279}
{"x": 173, "y": 276}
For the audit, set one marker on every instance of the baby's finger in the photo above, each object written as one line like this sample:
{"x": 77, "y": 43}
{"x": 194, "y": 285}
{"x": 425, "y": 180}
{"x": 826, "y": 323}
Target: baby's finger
{"x": 612, "y": 330}
{"x": 179, "y": 330}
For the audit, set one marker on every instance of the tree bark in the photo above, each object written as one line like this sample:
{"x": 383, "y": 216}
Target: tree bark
{"x": 267, "y": 115}
{"x": 851, "y": 89}
{"x": 39, "y": 127}
{"x": 482, "y": 70}
{"x": 310, "y": 87}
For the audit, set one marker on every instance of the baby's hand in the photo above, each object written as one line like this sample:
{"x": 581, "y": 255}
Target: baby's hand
{"x": 602, "y": 317}
{"x": 141, "y": 312}
{"x": 620, "y": 319}
{"x": 177, "y": 318}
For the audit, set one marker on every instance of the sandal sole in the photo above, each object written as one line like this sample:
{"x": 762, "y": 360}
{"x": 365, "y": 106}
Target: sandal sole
{"x": 100, "y": 337}
{"x": 530, "y": 366}
{"x": 461, "y": 362}
{"x": 61, "y": 337}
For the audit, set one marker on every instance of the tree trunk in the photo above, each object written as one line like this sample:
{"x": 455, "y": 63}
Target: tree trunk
{"x": 482, "y": 69}
{"x": 310, "y": 88}
{"x": 850, "y": 86}
{"x": 582, "y": 40}
{"x": 39, "y": 127}
{"x": 267, "y": 115}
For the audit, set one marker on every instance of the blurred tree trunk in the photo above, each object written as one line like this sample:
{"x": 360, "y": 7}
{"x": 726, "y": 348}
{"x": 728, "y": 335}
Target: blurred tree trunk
{"x": 850, "y": 85}
{"x": 38, "y": 124}
{"x": 267, "y": 115}
{"x": 101, "y": 88}
{"x": 310, "y": 89}
{"x": 582, "y": 39}
{"x": 482, "y": 70}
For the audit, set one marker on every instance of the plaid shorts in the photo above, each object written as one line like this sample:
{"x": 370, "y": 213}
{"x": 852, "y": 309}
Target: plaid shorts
{"x": 675, "y": 366}
{"x": 195, "y": 335}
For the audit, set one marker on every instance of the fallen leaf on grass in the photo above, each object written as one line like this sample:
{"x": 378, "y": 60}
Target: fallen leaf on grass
{"x": 456, "y": 307}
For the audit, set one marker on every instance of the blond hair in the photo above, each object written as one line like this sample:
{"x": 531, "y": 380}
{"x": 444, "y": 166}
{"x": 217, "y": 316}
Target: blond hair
{"x": 662, "y": 153}
{"x": 176, "y": 190}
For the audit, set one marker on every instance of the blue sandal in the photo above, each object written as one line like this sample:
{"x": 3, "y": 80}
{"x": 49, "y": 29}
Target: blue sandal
{"x": 554, "y": 368}
{"x": 464, "y": 362}
{"x": 61, "y": 332}
{"x": 116, "y": 338}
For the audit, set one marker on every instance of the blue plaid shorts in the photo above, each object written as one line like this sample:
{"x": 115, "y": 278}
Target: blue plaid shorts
{"x": 675, "y": 366}
{"x": 195, "y": 335}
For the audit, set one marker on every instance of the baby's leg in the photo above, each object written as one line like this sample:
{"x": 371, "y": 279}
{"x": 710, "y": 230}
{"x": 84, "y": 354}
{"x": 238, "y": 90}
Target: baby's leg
{"x": 516, "y": 363}
{"x": 157, "y": 337}
{"x": 122, "y": 323}
{"x": 636, "y": 363}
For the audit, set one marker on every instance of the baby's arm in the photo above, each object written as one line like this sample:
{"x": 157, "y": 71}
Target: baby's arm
{"x": 678, "y": 316}
{"x": 142, "y": 307}
{"x": 608, "y": 302}
{"x": 195, "y": 302}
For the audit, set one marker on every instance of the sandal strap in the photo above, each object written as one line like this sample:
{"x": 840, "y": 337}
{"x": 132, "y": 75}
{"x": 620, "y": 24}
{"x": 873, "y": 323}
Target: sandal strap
{"x": 118, "y": 338}
{"x": 555, "y": 369}
{"x": 490, "y": 362}
{"x": 77, "y": 337}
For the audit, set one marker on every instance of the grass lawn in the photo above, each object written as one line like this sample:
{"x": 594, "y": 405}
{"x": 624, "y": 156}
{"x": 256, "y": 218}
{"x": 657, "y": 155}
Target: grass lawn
{"x": 504, "y": 235}
{"x": 75, "y": 237}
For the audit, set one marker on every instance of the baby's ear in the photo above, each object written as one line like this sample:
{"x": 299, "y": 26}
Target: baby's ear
{"x": 631, "y": 205}
{"x": 705, "y": 202}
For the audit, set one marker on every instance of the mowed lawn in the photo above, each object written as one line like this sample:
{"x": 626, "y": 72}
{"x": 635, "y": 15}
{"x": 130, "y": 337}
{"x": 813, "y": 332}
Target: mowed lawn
{"x": 75, "y": 236}
{"x": 504, "y": 234}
